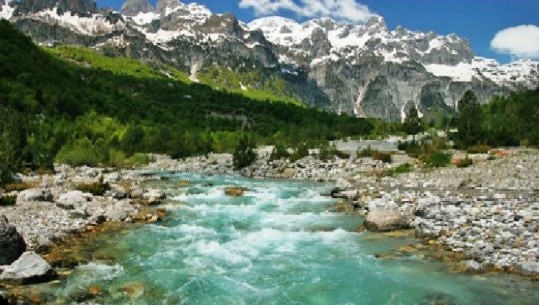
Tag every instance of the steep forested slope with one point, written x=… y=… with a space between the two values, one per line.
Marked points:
x=76 y=110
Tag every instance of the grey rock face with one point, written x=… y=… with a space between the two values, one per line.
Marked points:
x=12 y=244
x=28 y=269
x=133 y=7
x=76 y=7
x=163 y=5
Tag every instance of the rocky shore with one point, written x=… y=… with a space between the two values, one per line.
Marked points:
x=486 y=214
x=52 y=208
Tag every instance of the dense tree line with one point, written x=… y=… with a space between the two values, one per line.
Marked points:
x=52 y=110
x=506 y=121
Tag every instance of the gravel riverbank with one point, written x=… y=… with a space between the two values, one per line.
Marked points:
x=488 y=213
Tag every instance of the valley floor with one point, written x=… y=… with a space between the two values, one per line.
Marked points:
x=485 y=215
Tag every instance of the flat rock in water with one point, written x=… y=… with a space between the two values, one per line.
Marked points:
x=30 y=268
x=234 y=191
x=12 y=244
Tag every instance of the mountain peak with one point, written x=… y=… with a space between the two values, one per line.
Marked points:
x=134 y=7
x=165 y=7
x=78 y=7
x=376 y=23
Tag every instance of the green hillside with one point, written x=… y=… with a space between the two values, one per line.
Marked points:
x=218 y=78
x=74 y=105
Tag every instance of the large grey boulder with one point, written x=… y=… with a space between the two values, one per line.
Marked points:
x=30 y=268
x=74 y=196
x=119 y=210
x=72 y=200
x=34 y=195
x=12 y=244
x=528 y=267
x=384 y=216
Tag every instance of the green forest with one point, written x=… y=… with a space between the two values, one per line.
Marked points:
x=79 y=107
x=54 y=109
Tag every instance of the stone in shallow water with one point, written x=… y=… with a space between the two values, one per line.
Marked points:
x=234 y=191
x=439 y=299
x=30 y=268
x=473 y=266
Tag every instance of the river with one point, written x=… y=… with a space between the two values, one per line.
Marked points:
x=281 y=243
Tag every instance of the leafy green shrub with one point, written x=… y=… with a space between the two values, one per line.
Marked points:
x=96 y=189
x=8 y=201
x=438 y=159
x=138 y=159
x=365 y=153
x=301 y=152
x=279 y=152
x=328 y=152
x=44 y=171
x=464 y=162
x=402 y=169
x=382 y=156
x=79 y=153
x=375 y=154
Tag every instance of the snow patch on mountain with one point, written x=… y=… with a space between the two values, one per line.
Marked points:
x=463 y=72
x=6 y=11
x=523 y=71
x=349 y=40
x=95 y=25
x=144 y=18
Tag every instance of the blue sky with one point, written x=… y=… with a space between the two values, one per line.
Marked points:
x=477 y=20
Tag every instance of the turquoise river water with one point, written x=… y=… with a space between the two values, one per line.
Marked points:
x=279 y=244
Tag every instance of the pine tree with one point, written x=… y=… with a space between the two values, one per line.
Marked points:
x=244 y=155
x=470 y=120
x=412 y=123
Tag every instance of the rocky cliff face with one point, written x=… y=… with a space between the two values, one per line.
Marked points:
x=366 y=70
x=82 y=8
x=134 y=7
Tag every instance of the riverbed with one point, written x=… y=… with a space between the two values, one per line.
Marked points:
x=282 y=242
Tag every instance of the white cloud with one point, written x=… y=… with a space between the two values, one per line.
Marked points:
x=520 y=41
x=348 y=10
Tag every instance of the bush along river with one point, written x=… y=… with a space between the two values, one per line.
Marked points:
x=280 y=242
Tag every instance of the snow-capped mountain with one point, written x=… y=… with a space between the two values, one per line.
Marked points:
x=6 y=10
x=365 y=69
x=445 y=56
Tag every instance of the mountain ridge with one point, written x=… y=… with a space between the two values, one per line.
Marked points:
x=365 y=70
